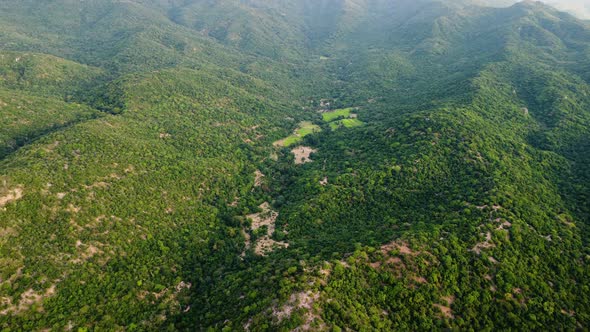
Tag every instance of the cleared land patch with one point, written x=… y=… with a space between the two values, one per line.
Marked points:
x=302 y=154
x=266 y=218
x=258 y=177
x=487 y=244
x=305 y=128
x=342 y=118
x=346 y=123
x=302 y=300
x=11 y=196
x=336 y=114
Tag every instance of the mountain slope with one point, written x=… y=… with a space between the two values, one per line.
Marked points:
x=147 y=185
x=179 y=131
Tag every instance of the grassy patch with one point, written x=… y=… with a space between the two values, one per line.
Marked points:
x=333 y=115
x=291 y=140
x=348 y=123
x=342 y=118
x=305 y=128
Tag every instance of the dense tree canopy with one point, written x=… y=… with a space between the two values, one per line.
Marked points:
x=278 y=165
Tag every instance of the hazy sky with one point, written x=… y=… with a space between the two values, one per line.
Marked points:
x=580 y=8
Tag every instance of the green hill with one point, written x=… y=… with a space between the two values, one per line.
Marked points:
x=143 y=186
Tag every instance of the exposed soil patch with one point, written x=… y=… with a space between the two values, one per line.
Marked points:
x=73 y=209
x=446 y=311
x=267 y=217
x=326 y=271
x=258 y=177
x=484 y=245
x=402 y=247
x=302 y=300
x=51 y=147
x=420 y=280
x=27 y=299
x=398 y=258
x=570 y=313
x=302 y=154
x=85 y=254
x=265 y=245
x=235 y=202
x=503 y=224
x=11 y=196
x=450 y=299
x=100 y=184
x=6 y=232
x=394 y=260
x=279 y=143
x=375 y=265
x=284 y=312
x=247 y=242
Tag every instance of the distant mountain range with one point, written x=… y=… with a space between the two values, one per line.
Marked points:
x=579 y=8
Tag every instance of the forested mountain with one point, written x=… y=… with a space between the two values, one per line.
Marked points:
x=580 y=9
x=293 y=165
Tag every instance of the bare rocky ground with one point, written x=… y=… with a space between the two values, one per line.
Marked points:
x=302 y=154
x=267 y=217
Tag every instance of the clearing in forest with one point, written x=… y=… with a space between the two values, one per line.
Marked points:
x=302 y=154
x=344 y=117
x=487 y=244
x=258 y=177
x=347 y=123
x=336 y=114
x=265 y=243
x=11 y=196
x=305 y=128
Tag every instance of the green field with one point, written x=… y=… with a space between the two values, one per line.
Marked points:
x=305 y=128
x=348 y=123
x=333 y=115
x=345 y=116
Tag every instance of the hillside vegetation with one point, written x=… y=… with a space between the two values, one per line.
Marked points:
x=293 y=165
